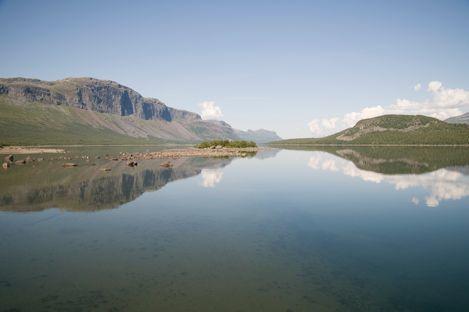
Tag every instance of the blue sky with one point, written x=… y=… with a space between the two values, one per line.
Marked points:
x=272 y=64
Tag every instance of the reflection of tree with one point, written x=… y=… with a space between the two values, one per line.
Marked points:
x=442 y=184
x=87 y=188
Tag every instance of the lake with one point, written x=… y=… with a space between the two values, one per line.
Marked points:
x=323 y=229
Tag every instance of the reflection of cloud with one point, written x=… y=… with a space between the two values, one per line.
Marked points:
x=432 y=201
x=442 y=184
x=210 y=177
x=314 y=161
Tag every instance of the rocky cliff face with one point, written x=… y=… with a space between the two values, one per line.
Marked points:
x=103 y=96
x=88 y=100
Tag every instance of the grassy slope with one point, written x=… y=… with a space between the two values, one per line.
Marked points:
x=436 y=133
x=35 y=124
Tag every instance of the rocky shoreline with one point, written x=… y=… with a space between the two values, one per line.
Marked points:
x=132 y=159
x=190 y=152
x=29 y=150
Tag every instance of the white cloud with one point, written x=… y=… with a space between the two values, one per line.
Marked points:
x=210 y=111
x=417 y=87
x=434 y=86
x=211 y=177
x=316 y=126
x=329 y=123
x=351 y=119
x=441 y=103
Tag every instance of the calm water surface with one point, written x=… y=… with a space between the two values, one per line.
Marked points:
x=318 y=230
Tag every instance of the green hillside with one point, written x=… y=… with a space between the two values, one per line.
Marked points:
x=35 y=124
x=393 y=130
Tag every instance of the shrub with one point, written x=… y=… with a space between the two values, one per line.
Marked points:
x=226 y=143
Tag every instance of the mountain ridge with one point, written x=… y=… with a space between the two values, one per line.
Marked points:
x=461 y=119
x=105 y=106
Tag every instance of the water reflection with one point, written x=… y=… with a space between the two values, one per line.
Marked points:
x=88 y=188
x=450 y=183
x=271 y=236
x=211 y=177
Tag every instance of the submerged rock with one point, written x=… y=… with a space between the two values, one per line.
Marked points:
x=9 y=159
x=166 y=164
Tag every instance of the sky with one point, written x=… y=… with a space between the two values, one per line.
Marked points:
x=301 y=68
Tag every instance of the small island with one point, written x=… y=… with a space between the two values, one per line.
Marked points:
x=218 y=144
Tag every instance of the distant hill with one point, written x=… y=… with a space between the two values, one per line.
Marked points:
x=93 y=111
x=259 y=136
x=393 y=129
x=461 y=119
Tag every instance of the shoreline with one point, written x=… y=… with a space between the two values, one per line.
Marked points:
x=190 y=152
x=22 y=150
x=130 y=157
x=370 y=145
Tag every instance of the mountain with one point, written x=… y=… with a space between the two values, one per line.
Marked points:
x=393 y=129
x=93 y=111
x=461 y=119
x=259 y=136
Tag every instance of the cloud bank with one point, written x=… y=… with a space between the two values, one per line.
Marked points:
x=442 y=103
x=210 y=111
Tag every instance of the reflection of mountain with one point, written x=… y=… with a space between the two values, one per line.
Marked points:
x=395 y=160
x=87 y=188
x=404 y=172
x=267 y=153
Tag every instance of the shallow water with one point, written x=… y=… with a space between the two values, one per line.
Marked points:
x=362 y=229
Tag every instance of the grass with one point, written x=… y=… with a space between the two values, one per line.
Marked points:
x=226 y=143
x=36 y=124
